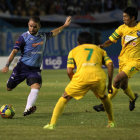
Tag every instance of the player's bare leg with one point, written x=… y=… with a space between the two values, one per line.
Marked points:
x=121 y=81
x=9 y=89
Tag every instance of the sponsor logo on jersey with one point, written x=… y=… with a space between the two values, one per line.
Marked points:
x=36 y=44
x=129 y=38
x=17 y=42
x=89 y=64
x=132 y=69
x=133 y=43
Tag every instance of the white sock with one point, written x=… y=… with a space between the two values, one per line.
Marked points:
x=32 y=98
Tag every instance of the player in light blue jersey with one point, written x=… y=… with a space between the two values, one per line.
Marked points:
x=32 y=45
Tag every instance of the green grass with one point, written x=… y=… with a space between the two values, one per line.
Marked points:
x=78 y=122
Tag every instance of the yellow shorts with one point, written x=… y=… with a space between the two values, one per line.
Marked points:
x=130 y=67
x=78 y=89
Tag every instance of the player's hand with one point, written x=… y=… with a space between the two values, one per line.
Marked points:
x=110 y=89
x=68 y=21
x=5 y=69
x=101 y=46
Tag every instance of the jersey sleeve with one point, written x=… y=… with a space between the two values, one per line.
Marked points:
x=116 y=35
x=49 y=34
x=106 y=59
x=20 y=43
x=70 y=61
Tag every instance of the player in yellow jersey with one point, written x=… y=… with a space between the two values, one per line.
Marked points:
x=129 y=58
x=88 y=59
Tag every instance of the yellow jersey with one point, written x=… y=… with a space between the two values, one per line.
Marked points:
x=130 y=41
x=88 y=58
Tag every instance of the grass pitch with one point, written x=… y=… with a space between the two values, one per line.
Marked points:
x=78 y=122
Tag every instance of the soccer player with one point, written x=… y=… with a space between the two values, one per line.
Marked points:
x=32 y=45
x=88 y=59
x=129 y=59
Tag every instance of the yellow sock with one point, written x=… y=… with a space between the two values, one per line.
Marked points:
x=130 y=93
x=108 y=107
x=59 y=107
x=115 y=90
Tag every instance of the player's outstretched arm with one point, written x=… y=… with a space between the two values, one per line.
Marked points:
x=106 y=44
x=10 y=59
x=59 y=29
x=110 y=69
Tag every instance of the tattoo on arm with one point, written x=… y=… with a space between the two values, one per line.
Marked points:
x=7 y=64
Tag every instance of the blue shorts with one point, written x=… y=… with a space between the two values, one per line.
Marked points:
x=22 y=72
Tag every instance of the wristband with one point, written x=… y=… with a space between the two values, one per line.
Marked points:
x=7 y=65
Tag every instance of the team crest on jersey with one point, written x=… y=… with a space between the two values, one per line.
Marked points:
x=31 y=38
x=138 y=33
x=129 y=38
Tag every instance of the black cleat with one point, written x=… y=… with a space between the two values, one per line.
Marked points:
x=132 y=103
x=29 y=111
x=99 y=108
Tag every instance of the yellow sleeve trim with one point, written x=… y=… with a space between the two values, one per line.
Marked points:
x=108 y=61
x=112 y=39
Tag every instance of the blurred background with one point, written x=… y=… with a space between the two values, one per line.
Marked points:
x=100 y=17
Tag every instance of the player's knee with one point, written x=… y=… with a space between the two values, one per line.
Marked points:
x=10 y=86
x=66 y=96
x=34 y=82
x=124 y=86
x=102 y=98
x=36 y=86
x=116 y=83
x=9 y=89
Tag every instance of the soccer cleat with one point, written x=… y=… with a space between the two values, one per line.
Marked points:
x=99 y=108
x=49 y=126
x=132 y=103
x=29 y=111
x=110 y=125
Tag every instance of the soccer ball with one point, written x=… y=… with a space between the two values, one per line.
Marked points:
x=7 y=111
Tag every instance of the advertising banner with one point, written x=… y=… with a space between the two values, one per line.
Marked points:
x=104 y=17
x=57 y=48
x=55 y=62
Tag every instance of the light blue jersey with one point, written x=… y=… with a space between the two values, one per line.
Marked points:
x=32 y=47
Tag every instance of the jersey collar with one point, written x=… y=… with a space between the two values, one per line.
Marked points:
x=33 y=35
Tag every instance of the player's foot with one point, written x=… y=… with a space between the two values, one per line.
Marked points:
x=132 y=103
x=99 y=108
x=29 y=111
x=49 y=126
x=110 y=125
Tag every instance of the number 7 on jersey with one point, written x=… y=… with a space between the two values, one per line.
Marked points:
x=90 y=53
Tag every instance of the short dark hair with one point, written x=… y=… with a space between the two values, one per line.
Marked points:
x=85 y=37
x=131 y=11
x=35 y=19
